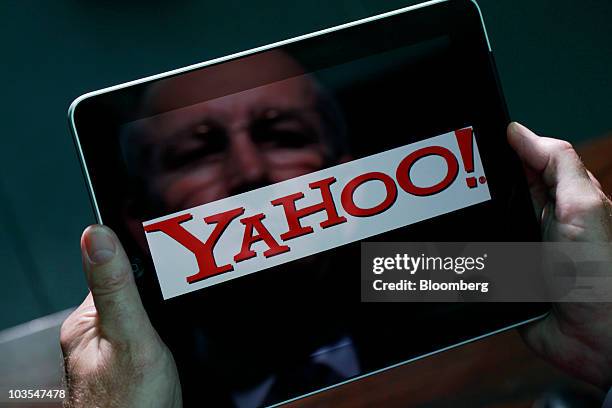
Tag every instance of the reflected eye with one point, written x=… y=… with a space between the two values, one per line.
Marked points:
x=206 y=142
x=202 y=129
x=271 y=114
x=283 y=138
x=276 y=129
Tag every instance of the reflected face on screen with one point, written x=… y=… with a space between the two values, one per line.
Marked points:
x=224 y=146
x=235 y=143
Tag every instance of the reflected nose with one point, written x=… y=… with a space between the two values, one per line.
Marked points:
x=247 y=165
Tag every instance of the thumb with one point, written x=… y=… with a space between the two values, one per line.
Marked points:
x=579 y=205
x=111 y=282
x=555 y=160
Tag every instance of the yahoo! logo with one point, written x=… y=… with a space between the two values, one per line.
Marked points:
x=316 y=212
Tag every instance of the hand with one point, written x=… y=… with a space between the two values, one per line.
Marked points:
x=113 y=356
x=577 y=337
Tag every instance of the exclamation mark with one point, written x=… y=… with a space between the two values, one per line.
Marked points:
x=465 y=140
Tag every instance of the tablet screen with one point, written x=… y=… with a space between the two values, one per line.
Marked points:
x=243 y=190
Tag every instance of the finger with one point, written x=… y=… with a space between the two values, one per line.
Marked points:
x=111 y=282
x=579 y=203
x=554 y=159
x=537 y=189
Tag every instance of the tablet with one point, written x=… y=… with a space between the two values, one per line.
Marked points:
x=243 y=187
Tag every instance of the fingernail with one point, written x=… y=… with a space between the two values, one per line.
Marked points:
x=515 y=127
x=100 y=245
x=520 y=129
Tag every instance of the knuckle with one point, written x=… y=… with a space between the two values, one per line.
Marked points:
x=565 y=146
x=559 y=146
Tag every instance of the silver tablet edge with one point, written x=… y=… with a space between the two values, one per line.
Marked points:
x=78 y=100
x=412 y=360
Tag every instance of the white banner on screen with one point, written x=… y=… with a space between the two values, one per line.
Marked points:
x=370 y=196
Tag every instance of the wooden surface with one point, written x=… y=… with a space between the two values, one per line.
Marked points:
x=499 y=371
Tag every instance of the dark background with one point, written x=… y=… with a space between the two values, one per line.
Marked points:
x=553 y=58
